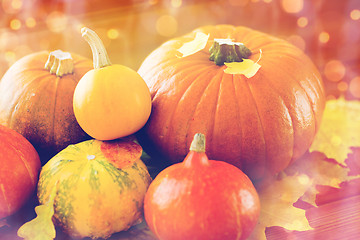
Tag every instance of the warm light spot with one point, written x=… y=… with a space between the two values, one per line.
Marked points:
x=176 y=3
x=30 y=22
x=355 y=14
x=334 y=70
x=166 y=25
x=297 y=41
x=267 y=1
x=354 y=87
x=330 y=97
x=153 y=2
x=302 y=22
x=16 y=4
x=11 y=6
x=240 y=3
x=15 y=24
x=90 y=157
x=324 y=37
x=113 y=33
x=292 y=6
x=10 y=57
x=303 y=179
x=342 y=86
x=56 y=21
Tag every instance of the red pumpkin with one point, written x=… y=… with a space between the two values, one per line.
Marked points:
x=201 y=199
x=19 y=170
x=36 y=101
x=260 y=124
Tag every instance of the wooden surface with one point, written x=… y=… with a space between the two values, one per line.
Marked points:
x=327 y=30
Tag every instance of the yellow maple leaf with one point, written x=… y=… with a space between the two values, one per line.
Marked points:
x=277 y=209
x=41 y=227
x=247 y=67
x=318 y=170
x=339 y=129
x=195 y=45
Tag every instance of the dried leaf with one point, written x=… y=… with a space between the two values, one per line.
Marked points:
x=247 y=67
x=339 y=129
x=316 y=168
x=277 y=208
x=41 y=227
x=195 y=45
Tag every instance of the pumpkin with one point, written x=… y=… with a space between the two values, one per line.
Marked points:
x=260 y=124
x=36 y=99
x=19 y=170
x=110 y=101
x=100 y=187
x=201 y=199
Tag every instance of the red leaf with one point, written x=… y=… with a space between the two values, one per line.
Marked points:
x=329 y=194
x=353 y=161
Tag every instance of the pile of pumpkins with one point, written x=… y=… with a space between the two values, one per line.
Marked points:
x=89 y=120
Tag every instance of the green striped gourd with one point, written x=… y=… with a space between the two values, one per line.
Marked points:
x=100 y=187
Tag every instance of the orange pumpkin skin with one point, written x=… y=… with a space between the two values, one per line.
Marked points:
x=201 y=199
x=19 y=170
x=38 y=104
x=260 y=124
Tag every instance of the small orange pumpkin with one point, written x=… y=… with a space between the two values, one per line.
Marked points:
x=260 y=124
x=37 y=102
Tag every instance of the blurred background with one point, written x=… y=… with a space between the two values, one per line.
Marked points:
x=327 y=30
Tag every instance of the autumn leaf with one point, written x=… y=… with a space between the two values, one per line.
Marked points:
x=277 y=209
x=316 y=168
x=195 y=45
x=41 y=227
x=339 y=129
x=247 y=67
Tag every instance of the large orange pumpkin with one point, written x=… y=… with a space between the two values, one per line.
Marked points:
x=37 y=102
x=260 y=124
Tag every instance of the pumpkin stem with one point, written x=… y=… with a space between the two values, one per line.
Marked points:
x=198 y=143
x=60 y=63
x=225 y=50
x=100 y=56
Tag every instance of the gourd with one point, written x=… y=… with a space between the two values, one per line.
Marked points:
x=260 y=124
x=36 y=99
x=201 y=199
x=19 y=170
x=99 y=187
x=110 y=101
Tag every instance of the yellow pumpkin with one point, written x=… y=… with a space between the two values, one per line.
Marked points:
x=99 y=187
x=110 y=101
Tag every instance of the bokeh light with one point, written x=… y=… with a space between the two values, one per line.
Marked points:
x=176 y=3
x=355 y=14
x=354 y=86
x=302 y=22
x=292 y=6
x=298 y=41
x=342 y=86
x=166 y=25
x=112 y=33
x=324 y=37
x=11 y=6
x=56 y=21
x=334 y=70
x=15 y=24
x=30 y=22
